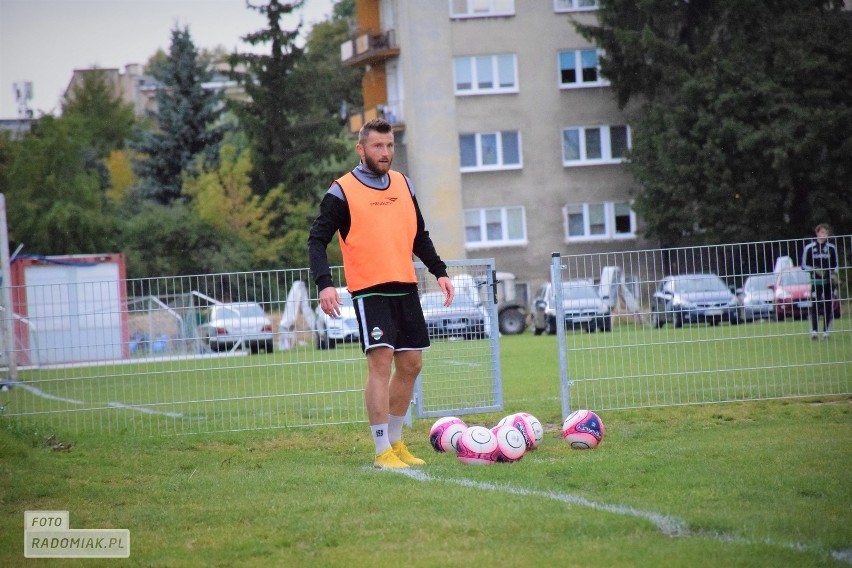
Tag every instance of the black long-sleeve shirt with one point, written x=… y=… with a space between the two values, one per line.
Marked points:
x=820 y=260
x=334 y=217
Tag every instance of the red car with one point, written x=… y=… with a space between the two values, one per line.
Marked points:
x=792 y=290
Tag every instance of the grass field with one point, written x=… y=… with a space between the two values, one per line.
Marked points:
x=737 y=484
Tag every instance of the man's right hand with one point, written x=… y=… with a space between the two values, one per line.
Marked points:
x=330 y=301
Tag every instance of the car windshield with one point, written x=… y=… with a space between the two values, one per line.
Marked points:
x=759 y=283
x=250 y=311
x=795 y=278
x=700 y=284
x=579 y=291
x=241 y=311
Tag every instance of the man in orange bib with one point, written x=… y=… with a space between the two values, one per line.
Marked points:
x=374 y=211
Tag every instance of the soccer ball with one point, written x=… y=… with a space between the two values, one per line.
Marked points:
x=478 y=445
x=583 y=429
x=511 y=445
x=522 y=422
x=537 y=428
x=445 y=433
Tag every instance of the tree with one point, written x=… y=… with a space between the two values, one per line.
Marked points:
x=170 y=240
x=105 y=116
x=54 y=186
x=223 y=199
x=744 y=110
x=291 y=118
x=186 y=117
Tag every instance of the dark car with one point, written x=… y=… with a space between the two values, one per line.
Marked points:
x=694 y=298
x=581 y=303
x=465 y=318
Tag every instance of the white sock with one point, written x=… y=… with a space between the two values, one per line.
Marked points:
x=395 y=428
x=380 y=437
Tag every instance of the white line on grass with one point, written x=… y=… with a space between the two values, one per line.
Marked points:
x=143 y=409
x=669 y=526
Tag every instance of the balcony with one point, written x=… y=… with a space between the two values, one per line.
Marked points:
x=391 y=112
x=369 y=49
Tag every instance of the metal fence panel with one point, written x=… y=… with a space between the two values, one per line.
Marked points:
x=671 y=347
x=183 y=362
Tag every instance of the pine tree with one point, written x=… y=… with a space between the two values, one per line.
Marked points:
x=186 y=118
x=290 y=121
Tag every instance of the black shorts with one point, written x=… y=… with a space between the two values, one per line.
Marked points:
x=391 y=321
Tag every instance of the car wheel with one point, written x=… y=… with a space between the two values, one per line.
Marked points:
x=538 y=330
x=734 y=319
x=268 y=347
x=511 y=322
x=605 y=323
x=678 y=320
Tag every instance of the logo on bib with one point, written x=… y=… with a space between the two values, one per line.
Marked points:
x=376 y=333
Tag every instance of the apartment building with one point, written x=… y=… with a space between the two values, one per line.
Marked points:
x=511 y=136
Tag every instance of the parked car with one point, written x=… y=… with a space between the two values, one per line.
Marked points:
x=464 y=318
x=583 y=307
x=757 y=298
x=694 y=298
x=237 y=324
x=331 y=330
x=792 y=295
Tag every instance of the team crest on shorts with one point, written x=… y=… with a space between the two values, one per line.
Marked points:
x=376 y=333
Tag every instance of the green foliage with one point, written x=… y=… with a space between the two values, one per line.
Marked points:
x=186 y=118
x=295 y=97
x=160 y=240
x=54 y=187
x=106 y=118
x=744 y=114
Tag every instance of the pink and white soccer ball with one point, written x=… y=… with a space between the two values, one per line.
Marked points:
x=478 y=446
x=537 y=428
x=511 y=445
x=583 y=429
x=522 y=422
x=445 y=433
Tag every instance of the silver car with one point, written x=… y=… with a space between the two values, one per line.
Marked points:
x=331 y=330
x=237 y=324
x=757 y=297
x=464 y=318
x=581 y=303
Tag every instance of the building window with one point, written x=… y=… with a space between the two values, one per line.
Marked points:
x=599 y=221
x=498 y=226
x=481 y=8
x=580 y=68
x=487 y=151
x=591 y=145
x=486 y=74
x=575 y=5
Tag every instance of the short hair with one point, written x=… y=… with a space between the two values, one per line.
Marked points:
x=822 y=226
x=379 y=125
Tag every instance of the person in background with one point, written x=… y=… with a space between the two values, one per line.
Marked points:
x=820 y=258
x=375 y=213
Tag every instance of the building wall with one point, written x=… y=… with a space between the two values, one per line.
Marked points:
x=434 y=117
x=431 y=126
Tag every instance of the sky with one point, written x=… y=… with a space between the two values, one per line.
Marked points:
x=44 y=41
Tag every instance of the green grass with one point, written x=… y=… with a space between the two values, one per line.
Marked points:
x=762 y=483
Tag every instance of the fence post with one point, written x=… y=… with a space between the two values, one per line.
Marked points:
x=556 y=284
x=6 y=287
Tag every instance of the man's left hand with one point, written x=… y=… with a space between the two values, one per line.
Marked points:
x=448 y=289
